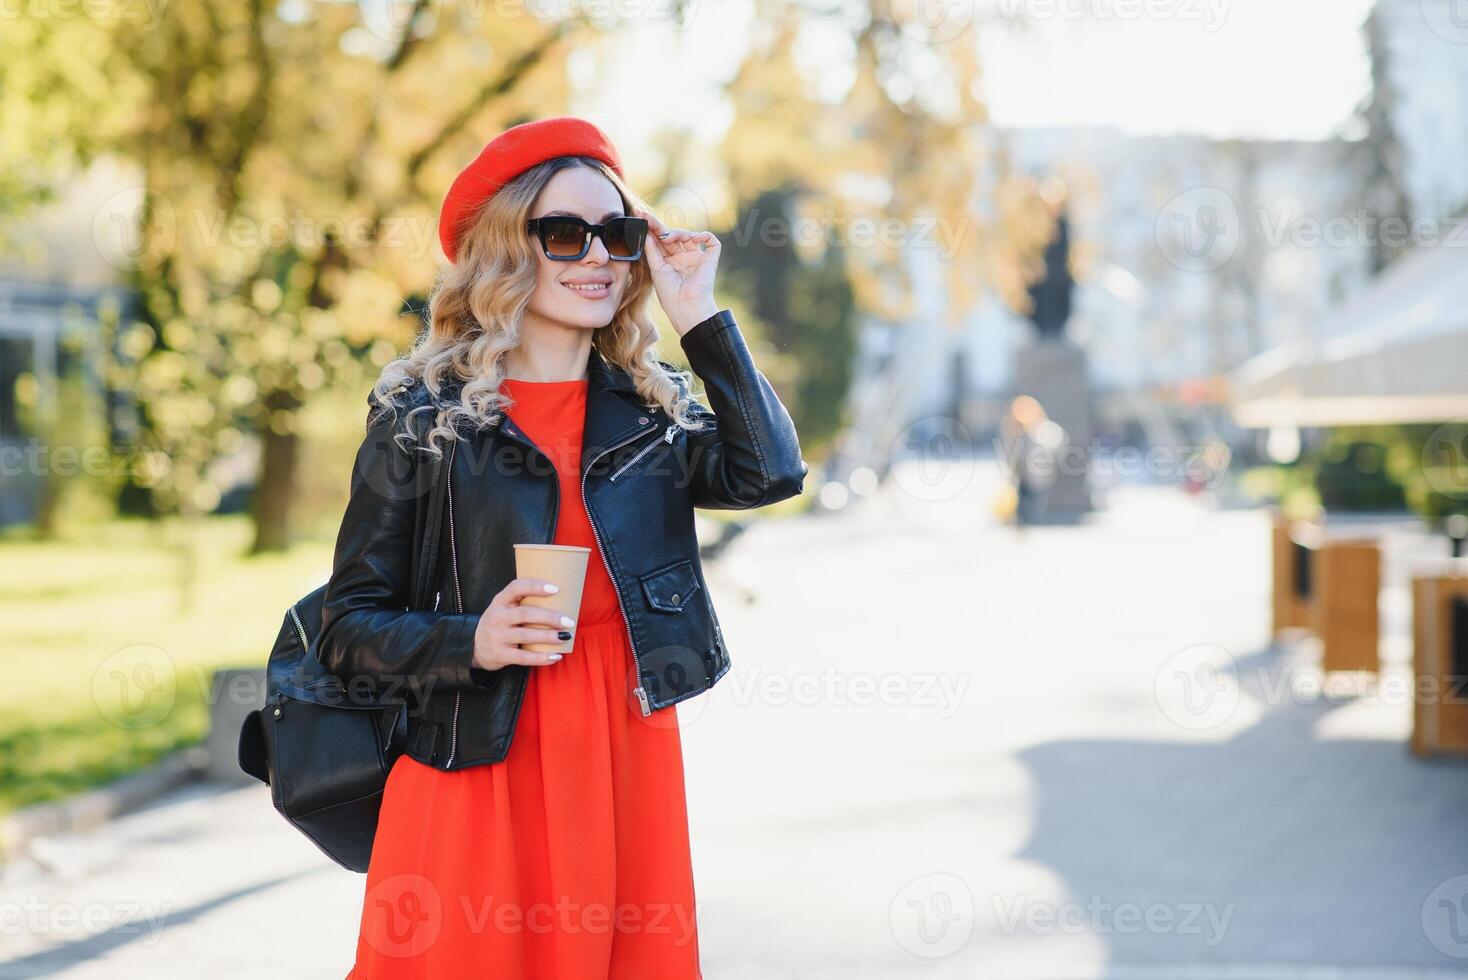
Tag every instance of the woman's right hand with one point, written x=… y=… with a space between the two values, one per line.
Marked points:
x=507 y=623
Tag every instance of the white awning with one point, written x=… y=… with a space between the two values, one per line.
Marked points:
x=1398 y=352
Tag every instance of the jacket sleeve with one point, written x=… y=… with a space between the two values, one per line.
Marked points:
x=368 y=635
x=748 y=454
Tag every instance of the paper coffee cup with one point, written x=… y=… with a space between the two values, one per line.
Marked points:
x=563 y=564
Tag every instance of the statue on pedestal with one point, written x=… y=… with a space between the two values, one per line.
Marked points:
x=1050 y=369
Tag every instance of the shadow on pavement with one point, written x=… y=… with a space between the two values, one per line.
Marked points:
x=1273 y=847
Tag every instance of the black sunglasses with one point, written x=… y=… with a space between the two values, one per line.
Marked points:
x=566 y=238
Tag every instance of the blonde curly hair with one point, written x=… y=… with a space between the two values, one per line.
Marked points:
x=476 y=309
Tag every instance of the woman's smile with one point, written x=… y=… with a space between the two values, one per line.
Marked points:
x=590 y=288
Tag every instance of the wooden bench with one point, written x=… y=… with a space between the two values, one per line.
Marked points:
x=1329 y=585
x=1440 y=662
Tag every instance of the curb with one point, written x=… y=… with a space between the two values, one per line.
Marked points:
x=92 y=808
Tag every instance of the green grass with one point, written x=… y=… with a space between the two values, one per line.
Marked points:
x=108 y=665
x=108 y=660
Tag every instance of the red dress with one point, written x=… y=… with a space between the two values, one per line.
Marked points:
x=568 y=860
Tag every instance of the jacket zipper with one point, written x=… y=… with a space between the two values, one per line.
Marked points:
x=458 y=593
x=617 y=589
x=641 y=453
x=631 y=643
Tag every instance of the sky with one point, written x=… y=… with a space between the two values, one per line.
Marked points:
x=1250 y=68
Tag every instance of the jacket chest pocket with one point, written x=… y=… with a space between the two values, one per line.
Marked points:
x=669 y=588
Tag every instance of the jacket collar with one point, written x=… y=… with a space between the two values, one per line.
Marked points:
x=613 y=412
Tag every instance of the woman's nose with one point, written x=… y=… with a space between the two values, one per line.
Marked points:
x=597 y=254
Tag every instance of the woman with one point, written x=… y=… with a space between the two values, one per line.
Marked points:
x=535 y=826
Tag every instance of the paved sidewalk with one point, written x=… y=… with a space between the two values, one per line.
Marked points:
x=945 y=750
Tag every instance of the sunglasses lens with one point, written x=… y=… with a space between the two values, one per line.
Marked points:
x=563 y=236
x=624 y=236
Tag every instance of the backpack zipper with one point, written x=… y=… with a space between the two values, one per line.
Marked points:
x=300 y=629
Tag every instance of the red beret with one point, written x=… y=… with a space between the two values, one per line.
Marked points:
x=513 y=152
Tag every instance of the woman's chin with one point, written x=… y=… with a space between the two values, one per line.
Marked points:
x=588 y=313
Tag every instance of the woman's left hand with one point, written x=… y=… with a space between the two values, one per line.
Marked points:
x=682 y=264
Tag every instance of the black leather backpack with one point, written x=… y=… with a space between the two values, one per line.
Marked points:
x=326 y=750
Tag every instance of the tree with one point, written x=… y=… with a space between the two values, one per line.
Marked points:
x=292 y=158
x=893 y=165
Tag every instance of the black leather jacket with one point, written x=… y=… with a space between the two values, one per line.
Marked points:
x=642 y=476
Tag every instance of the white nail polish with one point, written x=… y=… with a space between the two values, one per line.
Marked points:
x=550 y=587
x=555 y=656
x=567 y=621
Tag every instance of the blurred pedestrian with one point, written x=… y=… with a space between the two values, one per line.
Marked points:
x=1032 y=444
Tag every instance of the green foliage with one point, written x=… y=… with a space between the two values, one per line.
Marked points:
x=1353 y=475
x=1377 y=468
x=76 y=610
x=803 y=306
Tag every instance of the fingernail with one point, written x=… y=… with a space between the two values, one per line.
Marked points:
x=550 y=587
x=555 y=656
x=567 y=621
x=563 y=635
